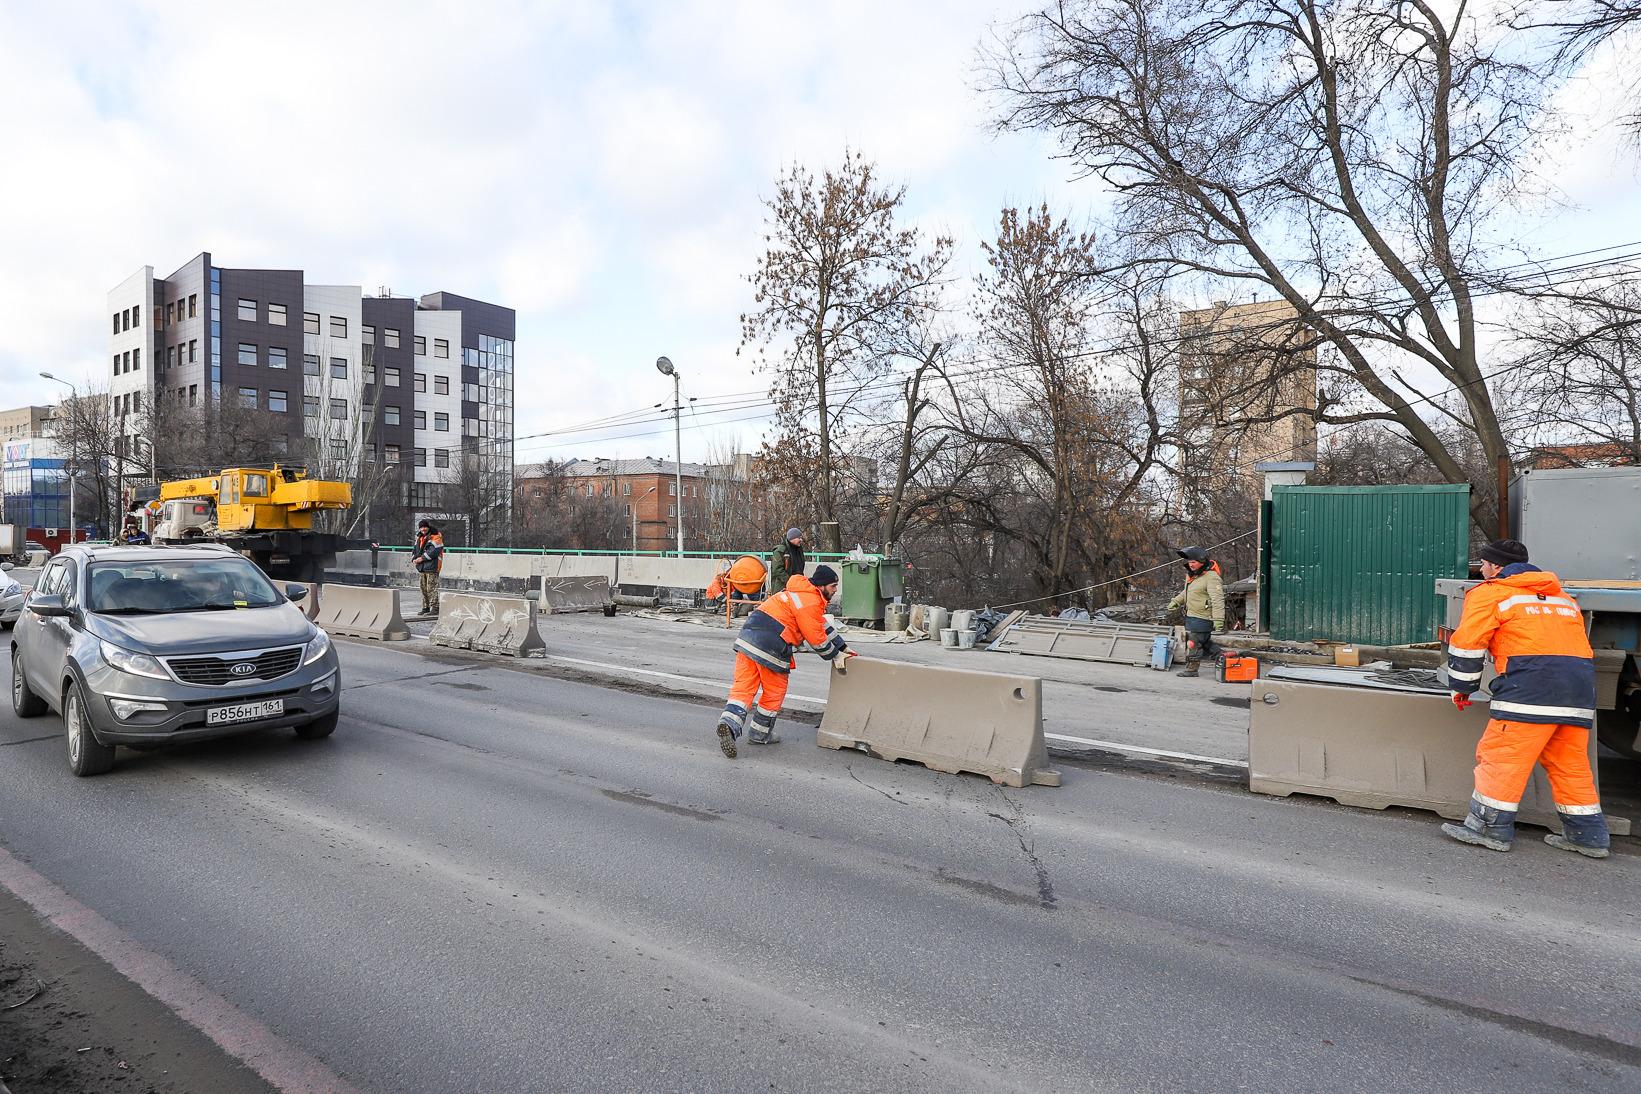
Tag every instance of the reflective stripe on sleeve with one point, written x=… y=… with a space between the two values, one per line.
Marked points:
x=1578 y=810
x=1466 y=676
x=1494 y=803
x=1542 y=712
x=1454 y=651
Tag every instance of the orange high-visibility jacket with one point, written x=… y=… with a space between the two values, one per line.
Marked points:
x=791 y=618
x=1536 y=636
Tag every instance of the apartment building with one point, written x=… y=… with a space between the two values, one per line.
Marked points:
x=349 y=384
x=643 y=492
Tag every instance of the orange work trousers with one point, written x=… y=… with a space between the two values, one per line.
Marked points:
x=1508 y=751
x=758 y=688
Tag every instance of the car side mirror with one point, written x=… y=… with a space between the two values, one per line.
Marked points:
x=4 y=566
x=49 y=606
x=294 y=593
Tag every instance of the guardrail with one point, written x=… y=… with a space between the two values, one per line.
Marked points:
x=824 y=555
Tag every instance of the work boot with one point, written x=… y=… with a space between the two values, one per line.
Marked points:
x=1585 y=833
x=1484 y=826
x=1190 y=669
x=763 y=737
x=726 y=739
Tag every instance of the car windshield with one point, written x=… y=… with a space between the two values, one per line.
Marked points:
x=181 y=585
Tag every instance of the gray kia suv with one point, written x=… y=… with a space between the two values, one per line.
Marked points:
x=149 y=646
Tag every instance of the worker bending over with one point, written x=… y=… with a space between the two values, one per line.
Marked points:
x=764 y=652
x=1543 y=702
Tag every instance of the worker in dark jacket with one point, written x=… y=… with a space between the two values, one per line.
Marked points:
x=1543 y=702
x=790 y=619
x=788 y=560
x=1204 y=602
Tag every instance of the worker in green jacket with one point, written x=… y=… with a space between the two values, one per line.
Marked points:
x=1203 y=599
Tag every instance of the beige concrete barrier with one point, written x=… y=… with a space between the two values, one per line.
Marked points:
x=1377 y=748
x=1083 y=640
x=947 y=719
x=358 y=611
x=575 y=594
x=494 y=624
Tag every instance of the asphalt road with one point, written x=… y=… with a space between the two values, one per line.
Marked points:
x=489 y=880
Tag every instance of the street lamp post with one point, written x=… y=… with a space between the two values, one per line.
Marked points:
x=664 y=365
x=633 y=509
x=74 y=453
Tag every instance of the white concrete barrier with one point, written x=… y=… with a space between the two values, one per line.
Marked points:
x=357 y=611
x=495 y=624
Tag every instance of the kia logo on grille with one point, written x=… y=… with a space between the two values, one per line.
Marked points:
x=244 y=668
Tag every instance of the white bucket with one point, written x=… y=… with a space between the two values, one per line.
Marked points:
x=965 y=640
x=948 y=637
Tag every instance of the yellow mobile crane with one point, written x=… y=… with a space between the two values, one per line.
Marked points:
x=264 y=513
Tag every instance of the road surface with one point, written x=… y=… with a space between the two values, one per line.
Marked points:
x=489 y=880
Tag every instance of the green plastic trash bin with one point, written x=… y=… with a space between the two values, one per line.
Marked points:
x=868 y=586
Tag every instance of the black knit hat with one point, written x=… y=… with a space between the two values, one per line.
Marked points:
x=1504 y=552
x=823 y=575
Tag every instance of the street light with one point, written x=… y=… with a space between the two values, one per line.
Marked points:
x=74 y=456
x=633 y=510
x=664 y=366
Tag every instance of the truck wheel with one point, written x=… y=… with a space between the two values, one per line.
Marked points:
x=23 y=700
x=85 y=755
x=320 y=727
x=1617 y=730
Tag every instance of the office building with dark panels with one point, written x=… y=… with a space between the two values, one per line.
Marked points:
x=412 y=396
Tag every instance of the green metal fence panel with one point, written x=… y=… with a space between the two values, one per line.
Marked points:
x=1360 y=563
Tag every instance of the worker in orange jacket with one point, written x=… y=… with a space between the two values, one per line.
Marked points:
x=1543 y=702
x=793 y=617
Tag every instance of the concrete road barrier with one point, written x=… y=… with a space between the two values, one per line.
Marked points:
x=1377 y=748
x=1083 y=640
x=494 y=624
x=951 y=720
x=575 y=594
x=360 y=611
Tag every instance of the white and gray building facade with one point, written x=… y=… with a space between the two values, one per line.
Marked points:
x=423 y=383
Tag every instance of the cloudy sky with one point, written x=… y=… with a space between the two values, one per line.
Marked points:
x=598 y=167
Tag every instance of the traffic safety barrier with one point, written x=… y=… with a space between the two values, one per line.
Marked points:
x=1377 y=748
x=1083 y=640
x=358 y=611
x=575 y=594
x=494 y=624
x=950 y=720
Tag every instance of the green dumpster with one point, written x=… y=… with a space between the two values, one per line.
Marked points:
x=868 y=585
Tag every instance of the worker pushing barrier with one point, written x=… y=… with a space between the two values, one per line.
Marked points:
x=772 y=634
x=1543 y=702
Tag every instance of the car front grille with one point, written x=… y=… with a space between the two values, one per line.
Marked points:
x=220 y=671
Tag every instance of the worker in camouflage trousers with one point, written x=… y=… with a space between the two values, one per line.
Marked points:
x=1543 y=702
x=1204 y=602
x=772 y=634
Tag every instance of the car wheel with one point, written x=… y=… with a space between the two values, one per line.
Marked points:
x=319 y=727
x=85 y=755
x=23 y=700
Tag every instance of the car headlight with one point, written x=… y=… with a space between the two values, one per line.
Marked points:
x=317 y=645
x=137 y=664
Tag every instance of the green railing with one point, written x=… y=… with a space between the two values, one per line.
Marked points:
x=608 y=554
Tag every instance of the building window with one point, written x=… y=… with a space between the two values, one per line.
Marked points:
x=367 y=334
x=247 y=310
x=338 y=450
x=136 y=360
x=116 y=322
x=193 y=350
x=626 y=488
x=390 y=337
x=391 y=453
x=310 y=322
x=339 y=368
x=310 y=364
x=136 y=401
x=125 y=319
x=421 y=346
x=589 y=490
x=672 y=510
x=441 y=457
x=390 y=415
x=441 y=385
x=193 y=394
x=339 y=408
x=276 y=357
x=441 y=422
x=247 y=398
x=441 y=347
x=136 y=315
x=672 y=489
x=170 y=356
x=170 y=313
x=116 y=364
x=193 y=305
x=247 y=353
x=419 y=381
x=418 y=418
x=370 y=373
x=390 y=375
x=276 y=314
x=421 y=457
x=310 y=406
x=338 y=326
x=278 y=400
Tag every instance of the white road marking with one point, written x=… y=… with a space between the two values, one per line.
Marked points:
x=1116 y=747
x=623 y=669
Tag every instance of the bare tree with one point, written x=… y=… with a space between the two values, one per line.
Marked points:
x=1581 y=380
x=1351 y=158
x=87 y=432
x=839 y=282
x=1581 y=27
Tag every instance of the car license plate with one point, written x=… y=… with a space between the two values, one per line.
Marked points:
x=244 y=712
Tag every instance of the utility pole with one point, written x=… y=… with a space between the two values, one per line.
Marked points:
x=665 y=367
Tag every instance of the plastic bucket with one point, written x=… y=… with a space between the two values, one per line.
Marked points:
x=965 y=640
x=948 y=637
